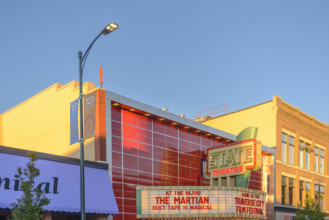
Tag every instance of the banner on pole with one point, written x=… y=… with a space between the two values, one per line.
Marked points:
x=89 y=115
x=74 y=130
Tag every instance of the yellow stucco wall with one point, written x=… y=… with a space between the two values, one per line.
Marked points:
x=42 y=123
x=262 y=116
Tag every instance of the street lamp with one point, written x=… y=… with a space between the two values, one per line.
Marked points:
x=82 y=60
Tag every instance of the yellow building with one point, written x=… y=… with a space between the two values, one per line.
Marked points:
x=42 y=123
x=301 y=143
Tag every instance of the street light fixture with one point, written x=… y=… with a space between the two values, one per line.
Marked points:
x=82 y=60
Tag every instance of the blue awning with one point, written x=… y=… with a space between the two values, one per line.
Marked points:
x=61 y=182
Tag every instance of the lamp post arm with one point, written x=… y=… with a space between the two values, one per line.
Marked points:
x=84 y=58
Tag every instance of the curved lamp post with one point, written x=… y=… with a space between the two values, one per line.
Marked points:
x=82 y=60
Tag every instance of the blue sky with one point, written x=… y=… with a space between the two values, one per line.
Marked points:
x=185 y=55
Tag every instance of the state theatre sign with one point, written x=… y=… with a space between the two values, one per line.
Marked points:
x=200 y=202
x=234 y=159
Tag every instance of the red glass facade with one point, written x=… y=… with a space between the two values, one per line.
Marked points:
x=150 y=152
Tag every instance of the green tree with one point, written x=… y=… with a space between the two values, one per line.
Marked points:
x=29 y=205
x=311 y=210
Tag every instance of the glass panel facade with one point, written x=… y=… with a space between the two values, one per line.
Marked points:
x=149 y=152
x=284 y=147
x=291 y=150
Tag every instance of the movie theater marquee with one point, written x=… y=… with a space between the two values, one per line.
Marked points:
x=199 y=201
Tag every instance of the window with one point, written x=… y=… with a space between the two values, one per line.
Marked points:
x=291 y=188
x=301 y=192
x=302 y=149
x=284 y=148
x=307 y=187
x=319 y=193
x=224 y=181
x=232 y=181
x=321 y=161
x=307 y=160
x=287 y=149
x=291 y=150
x=283 y=190
x=316 y=160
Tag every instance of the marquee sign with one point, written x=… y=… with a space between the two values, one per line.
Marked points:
x=234 y=159
x=199 y=201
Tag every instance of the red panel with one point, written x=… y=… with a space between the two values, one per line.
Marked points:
x=184 y=134
x=129 y=132
x=130 y=194
x=116 y=144
x=159 y=127
x=130 y=147
x=195 y=162
x=118 y=192
x=130 y=216
x=156 y=166
x=171 y=130
x=129 y=118
x=145 y=181
x=216 y=142
x=172 y=156
x=184 y=147
x=158 y=153
x=171 y=142
x=145 y=150
x=130 y=202
x=144 y=122
x=116 y=159
x=194 y=147
x=130 y=180
x=196 y=138
x=118 y=217
x=145 y=176
x=172 y=169
x=129 y=187
x=116 y=177
x=184 y=172
x=159 y=140
x=172 y=181
x=131 y=173
x=130 y=162
x=144 y=136
x=116 y=129
x=116 y=185
x=130 y=209
x=184 y=159
x=206 y=141
x=116 y=114
x=145 y=165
